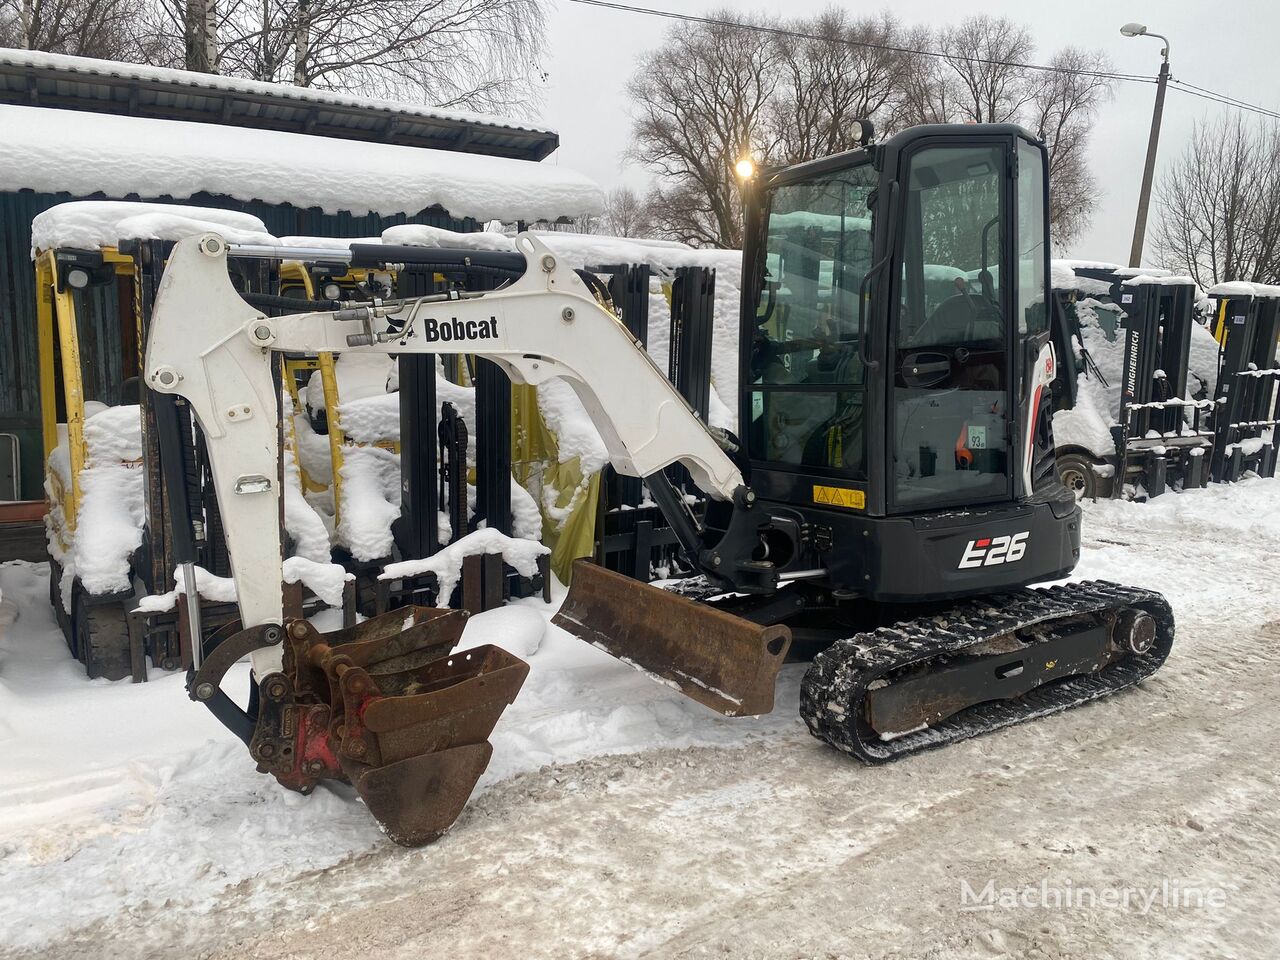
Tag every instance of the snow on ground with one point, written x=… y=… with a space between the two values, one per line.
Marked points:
x=132 y=825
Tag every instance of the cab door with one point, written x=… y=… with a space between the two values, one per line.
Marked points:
x=950 y=379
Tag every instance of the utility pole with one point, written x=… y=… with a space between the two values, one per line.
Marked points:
x=1148 y=172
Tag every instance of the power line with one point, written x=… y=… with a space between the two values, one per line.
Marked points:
x=1183 y=86
x=892 y=48
x=1192 y=90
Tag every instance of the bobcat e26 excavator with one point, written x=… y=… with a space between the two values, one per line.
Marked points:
x=890 y=498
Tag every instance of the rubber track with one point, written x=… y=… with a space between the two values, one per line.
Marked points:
x=831 y=695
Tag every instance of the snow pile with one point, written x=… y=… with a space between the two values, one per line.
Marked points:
x=324 y=243
x=1088 y=424
x=90 y=224
x=325 y=580
x=1115 y=268
x=424 y=235
x=301 y=521
x=119 y=156
x=1097 y=407
x=446 y=564
x=1202 y=360
x=371 y=419
x=210 y=587
x=526 y=518
x=370 y=490
x=108 y=524
x=312 y=450
x=1062 y=276
x=370 y=501
x=567 y=418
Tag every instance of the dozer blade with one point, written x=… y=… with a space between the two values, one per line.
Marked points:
x=386 y=706
x=724 y=662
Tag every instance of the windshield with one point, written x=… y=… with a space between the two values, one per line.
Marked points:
x=817 y=251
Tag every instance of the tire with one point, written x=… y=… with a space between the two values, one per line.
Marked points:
x=102 y=635
x=1076 y=473
x=60 y=615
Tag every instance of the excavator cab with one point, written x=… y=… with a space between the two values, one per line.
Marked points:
x=896 y=355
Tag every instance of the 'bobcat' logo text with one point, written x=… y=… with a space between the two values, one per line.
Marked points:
x=445 y=330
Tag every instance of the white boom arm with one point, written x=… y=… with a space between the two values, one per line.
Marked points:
x=209 y=346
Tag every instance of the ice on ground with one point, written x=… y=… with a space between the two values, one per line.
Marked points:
x=90 y=224
x=99 y=153
x=116 y=799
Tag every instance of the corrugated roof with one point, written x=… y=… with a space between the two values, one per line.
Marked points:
x=105 y=86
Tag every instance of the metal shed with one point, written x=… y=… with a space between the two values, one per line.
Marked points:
x=69 y=96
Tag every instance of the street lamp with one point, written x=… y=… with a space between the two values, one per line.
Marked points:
x=1148 y=173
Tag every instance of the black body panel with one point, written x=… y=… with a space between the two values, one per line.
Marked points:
x=917 y=558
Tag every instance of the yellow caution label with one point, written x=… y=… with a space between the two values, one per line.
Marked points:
x=840 y=497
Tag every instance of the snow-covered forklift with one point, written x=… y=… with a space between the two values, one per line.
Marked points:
x=93 y=482
x=892 y=493
x=1244 y=420
x=1131 y=405
x=107 y=523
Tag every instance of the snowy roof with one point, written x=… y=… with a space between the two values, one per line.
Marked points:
x=89 y=224
x=106 y=86
x=123 y=156
x=1115 y=268
x=1242 y=288
x=1165 y=279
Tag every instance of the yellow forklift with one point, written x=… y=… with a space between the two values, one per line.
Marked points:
x=107 y=503
x=94 y=475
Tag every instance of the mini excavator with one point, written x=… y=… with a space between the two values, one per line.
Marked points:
x=887 y=504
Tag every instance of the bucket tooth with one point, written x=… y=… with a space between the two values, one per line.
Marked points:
x=388 y=707
x=720 y=660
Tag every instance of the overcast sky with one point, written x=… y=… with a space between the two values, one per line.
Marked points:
x=1232 y=46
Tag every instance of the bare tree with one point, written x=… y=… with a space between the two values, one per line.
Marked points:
x=1061 y=111
x=626 y=214
x=699 y=103
x=84 y=28
x=792 y=95
x=928 y=89
x=826 y=84
x=1218 y=206
x=479 y=54
x=984 y=56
